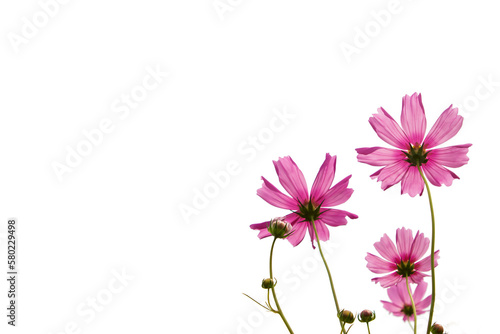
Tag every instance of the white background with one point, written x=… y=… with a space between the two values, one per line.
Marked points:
x=229 y=69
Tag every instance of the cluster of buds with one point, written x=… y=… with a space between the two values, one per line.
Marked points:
x=279 y=228
x=348 y=317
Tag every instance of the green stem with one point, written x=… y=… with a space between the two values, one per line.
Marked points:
x=329 y=275
x=280 y=312
x=368 y=326
x=412 y=305
x=433 y=241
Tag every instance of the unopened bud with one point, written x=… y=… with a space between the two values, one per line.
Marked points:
x=267 y=283
x=346 y=316
x=437 y=329
x=366 y=316
x=279 y=227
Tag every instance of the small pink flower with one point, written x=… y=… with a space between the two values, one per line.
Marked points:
x=306 y=207
x=403 y=261
x=400 y=304
x=413 y=150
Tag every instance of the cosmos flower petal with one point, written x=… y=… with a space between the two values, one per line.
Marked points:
x=419 y=292
x=452 y=156
x=298 y=233
x=335 y=217
x=379 y=156
x=336 y=195
x=387 y=249
x=402 y=292
x=393 y=308
x=395 y=296
x=412 y=183
x=425 y=263
x=291 y=178
x=438 y=175
x=324 y=178
x=404 y=240
x=262 y=227
x=388 y=280
x=423 y=304
x=419 y=246
x=392 y=174
x=445 y=128
x=378 y=265
x=389 y=130
x=413 y=118
x=323 y=232
x=273 y=196
x=417 y=277
x=376 y=174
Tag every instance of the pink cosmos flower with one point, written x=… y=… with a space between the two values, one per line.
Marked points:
x=306 y=207
x=413 y=150
x=403 y=261
x=400 y=304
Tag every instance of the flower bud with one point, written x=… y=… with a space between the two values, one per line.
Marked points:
x=437 y=329
x=279 y=227
x=268 y=283
x=346 y=316
x=366 y=316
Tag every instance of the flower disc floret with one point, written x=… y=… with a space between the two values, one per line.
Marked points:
x=405 y=268
x=309 y=211
x=416 y=155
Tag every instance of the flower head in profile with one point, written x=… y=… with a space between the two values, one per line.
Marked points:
x=306 y=207
x=405 y=260
x=400 y=304
x=413 y=150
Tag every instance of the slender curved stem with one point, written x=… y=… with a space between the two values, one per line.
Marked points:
x=368 y=326
x=433 y=241
x=280 y=312
x=412 y=306
x=329 y=275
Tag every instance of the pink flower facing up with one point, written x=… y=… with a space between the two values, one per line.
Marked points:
x=413 y=150
x=306 y=207
x=403 y=261
x=400 y=304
